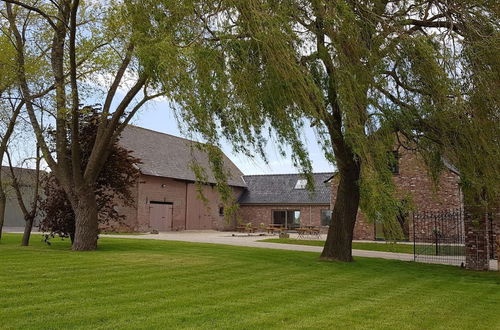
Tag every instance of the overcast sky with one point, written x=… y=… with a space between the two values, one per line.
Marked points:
x=159 y=117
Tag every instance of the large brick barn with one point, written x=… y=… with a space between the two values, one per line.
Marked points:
x=165 y=196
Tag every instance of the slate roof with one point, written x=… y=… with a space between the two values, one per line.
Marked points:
x=170 y=156
x=25 y=176
x=280 y=189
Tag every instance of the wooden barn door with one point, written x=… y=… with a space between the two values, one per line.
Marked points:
x=160 y=216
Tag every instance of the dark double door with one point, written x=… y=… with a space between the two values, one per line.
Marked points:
x=287 y=218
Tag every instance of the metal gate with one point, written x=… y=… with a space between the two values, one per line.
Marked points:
x=439 y=237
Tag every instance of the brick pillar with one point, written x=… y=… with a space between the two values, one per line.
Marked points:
x=498 y=244
x=496 y=234
x=477 y=249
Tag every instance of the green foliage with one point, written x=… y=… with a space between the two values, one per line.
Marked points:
x=368 y=76
x=464 y=129
x=7 y=63
x=249 y=71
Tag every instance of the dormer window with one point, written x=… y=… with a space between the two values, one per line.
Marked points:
x=301 y=184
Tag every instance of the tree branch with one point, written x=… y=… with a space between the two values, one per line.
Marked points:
x=26 y=93
x=75 y=102
x=34 y=9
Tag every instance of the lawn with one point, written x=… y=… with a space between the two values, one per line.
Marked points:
x=384 y=247
x=428 y=249
x=131 y=283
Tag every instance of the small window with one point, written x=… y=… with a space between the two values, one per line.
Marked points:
x=326 y=217
x=221 y=211
x=301 y=184
x=394 y=162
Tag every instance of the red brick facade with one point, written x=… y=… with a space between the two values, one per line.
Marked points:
x=310 y=215
x=414 y=182
x=191 y=213
x=411 y=182
x=188 y=211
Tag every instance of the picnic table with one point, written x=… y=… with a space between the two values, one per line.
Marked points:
x=272 y=228
x=311 y=231
x=246 y=229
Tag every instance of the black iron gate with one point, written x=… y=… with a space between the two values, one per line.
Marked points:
x=439 y=237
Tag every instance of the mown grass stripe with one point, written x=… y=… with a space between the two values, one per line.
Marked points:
x=153 y=284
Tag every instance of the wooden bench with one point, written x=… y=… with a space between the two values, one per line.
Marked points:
x=272 y=228
x=246 y=229
x=309 y=230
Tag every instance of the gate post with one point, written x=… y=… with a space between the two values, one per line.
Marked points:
x=477 y=249
x=496 y=234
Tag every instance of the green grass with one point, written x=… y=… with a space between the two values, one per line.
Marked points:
x=130 y=283
x=384 y=247
x=444 y=250
x=129 y=234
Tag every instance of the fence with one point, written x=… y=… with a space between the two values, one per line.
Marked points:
x=439 y=237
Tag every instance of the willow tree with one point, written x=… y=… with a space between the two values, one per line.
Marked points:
x=87 y=53
x=466 y=129
x=254 y=69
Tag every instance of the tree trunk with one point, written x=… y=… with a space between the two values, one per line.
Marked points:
x=3 y=201
x=28 y=226
x=338 y=244
x=86 y=226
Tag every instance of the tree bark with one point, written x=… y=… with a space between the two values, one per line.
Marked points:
x=3 y=201
x=28 y=226
x=86 y=225
x=338 y=245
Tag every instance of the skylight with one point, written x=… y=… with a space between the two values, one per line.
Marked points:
x=301 y=184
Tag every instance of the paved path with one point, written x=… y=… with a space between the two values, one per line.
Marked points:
x=238 y=239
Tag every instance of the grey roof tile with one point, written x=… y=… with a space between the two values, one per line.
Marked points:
x=280 y=189
x=170 y=156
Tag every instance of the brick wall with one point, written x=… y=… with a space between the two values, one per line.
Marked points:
x=130 y=212
x=477 y=243
x=495 y=239
x=413 y=179
x=188 y=211
x=414 y=182
x=310 y=215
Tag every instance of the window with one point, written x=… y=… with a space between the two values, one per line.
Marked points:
x=394 y=161
x=301 y=184
x=221 y=211
x=326 y=217
x=288 y=219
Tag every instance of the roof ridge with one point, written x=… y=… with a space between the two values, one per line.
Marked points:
x=283 y=174
x=7 y=167
x=162 y=133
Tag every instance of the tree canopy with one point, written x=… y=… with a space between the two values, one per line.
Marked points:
x=367 y=75
x=112 y=187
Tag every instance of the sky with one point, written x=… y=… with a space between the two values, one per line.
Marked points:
x=158 y=116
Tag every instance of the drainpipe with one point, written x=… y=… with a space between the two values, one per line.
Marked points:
x=310 y=215
x=186 y=207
